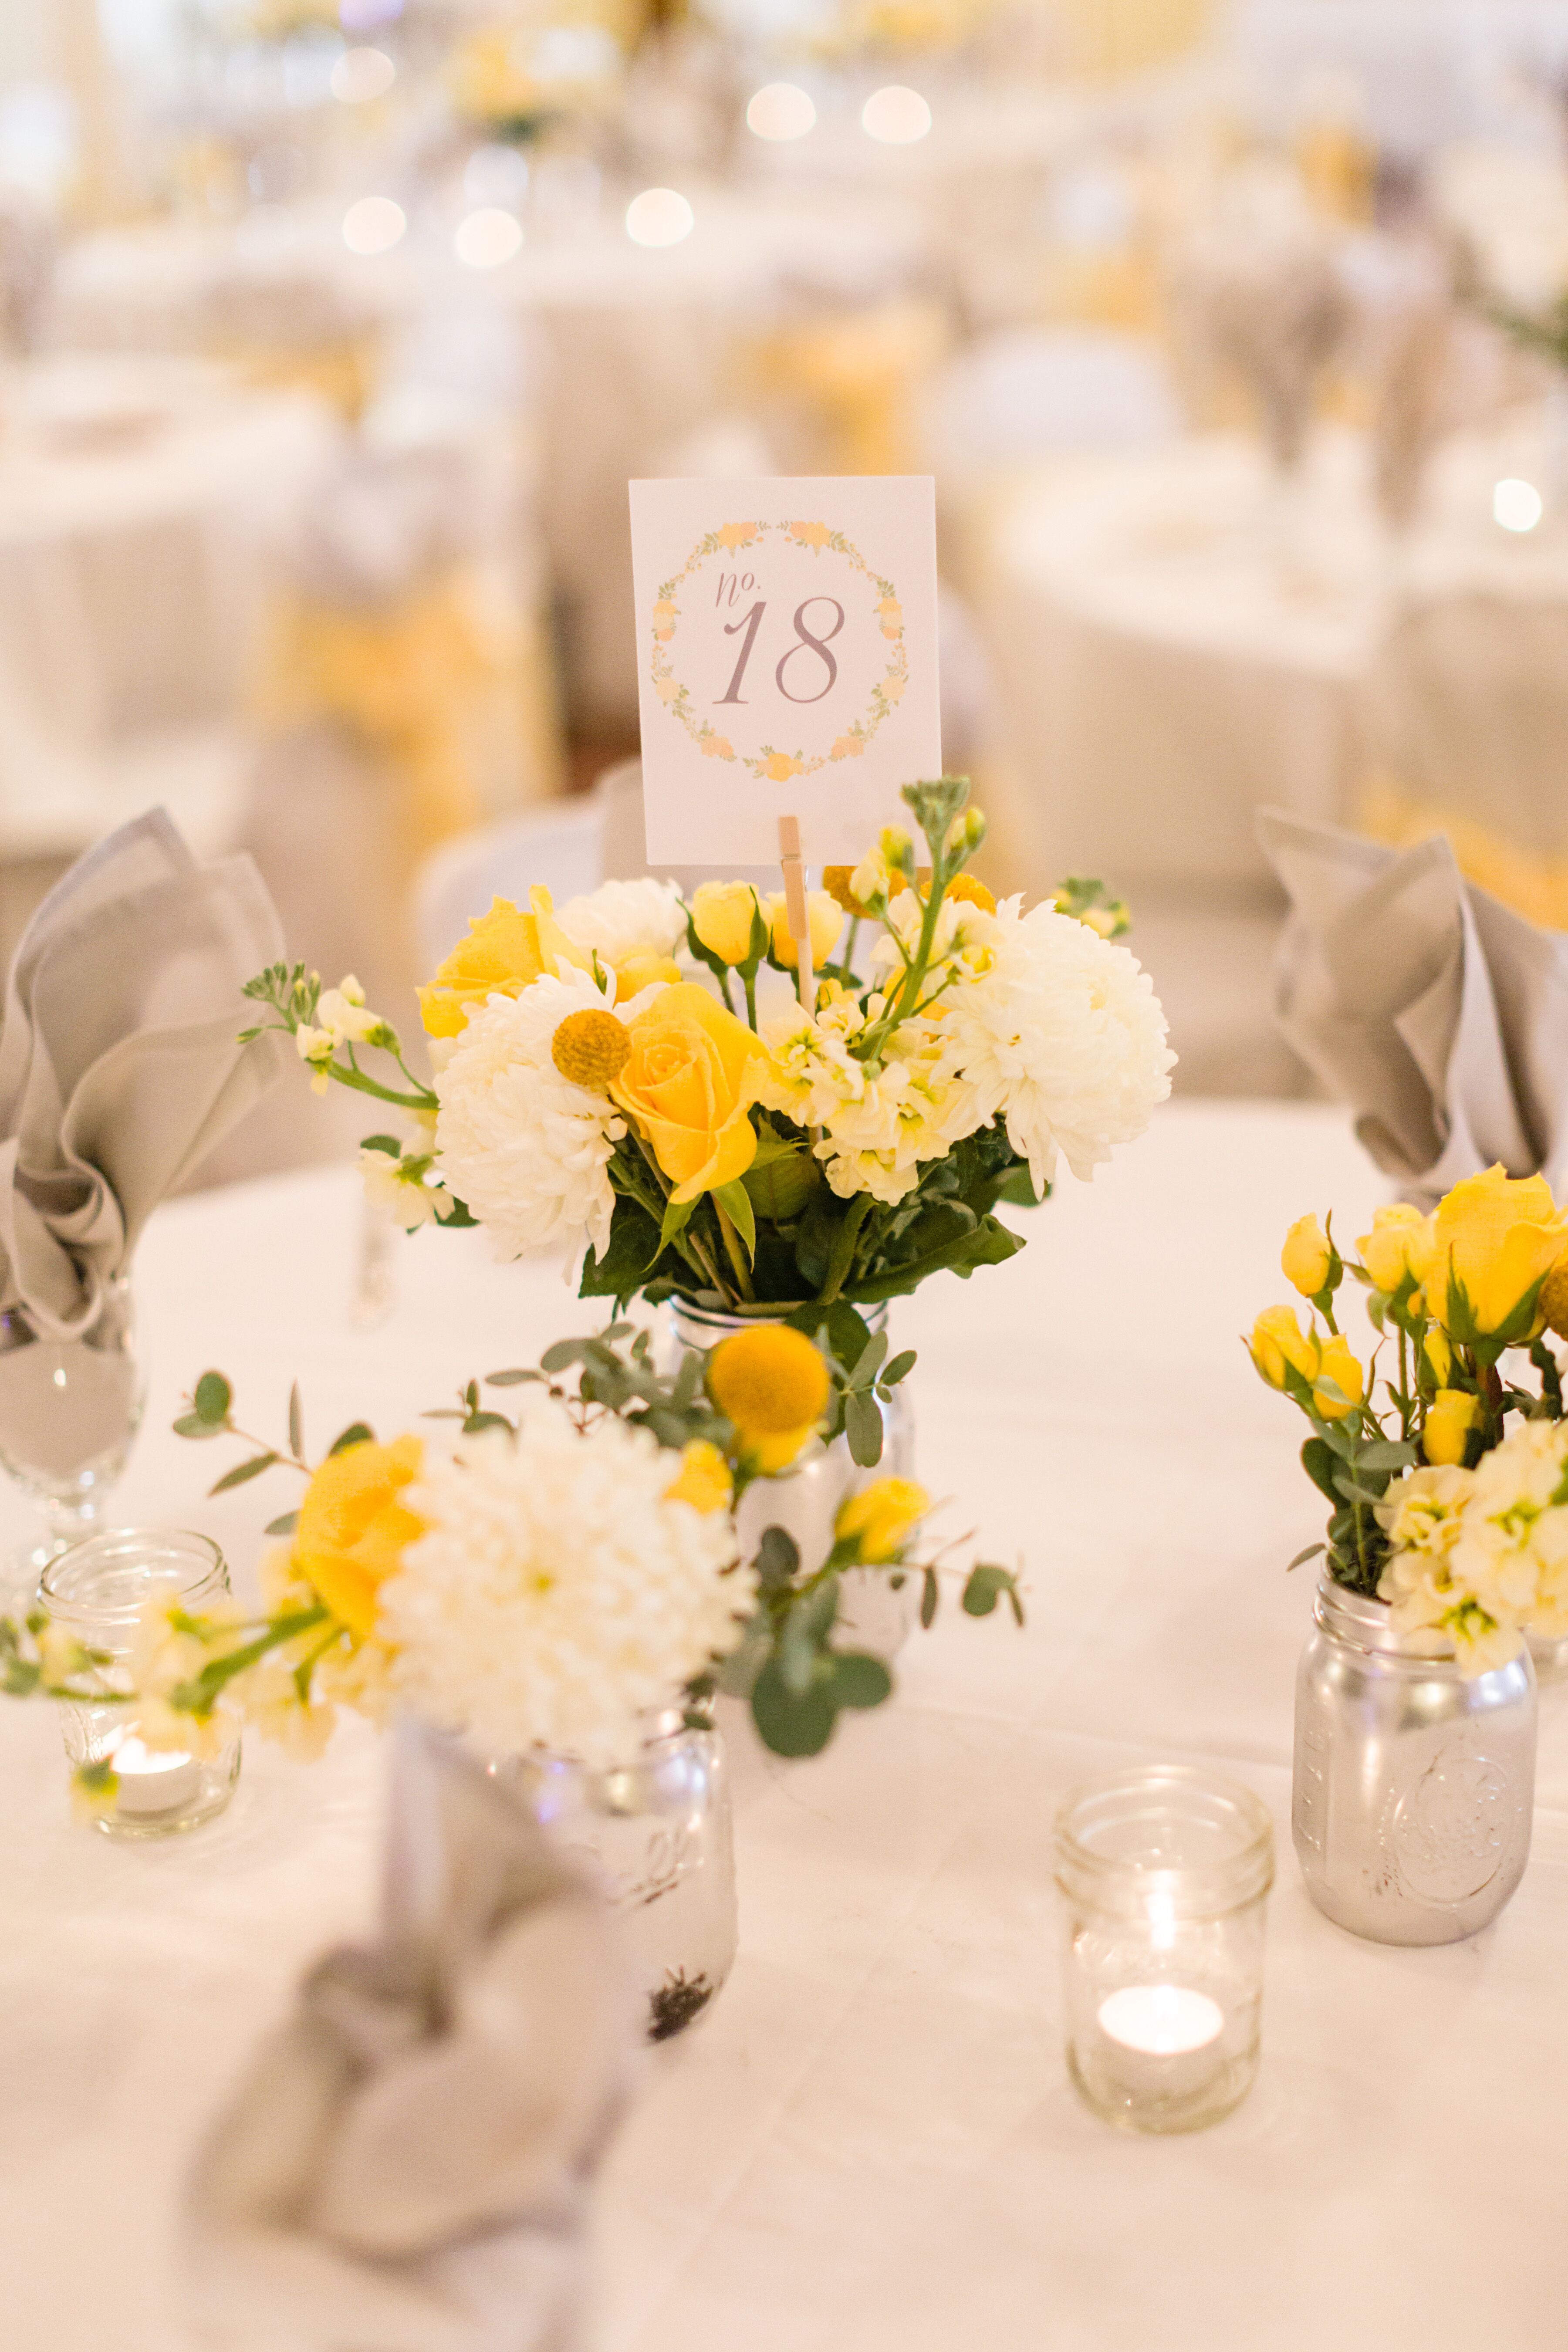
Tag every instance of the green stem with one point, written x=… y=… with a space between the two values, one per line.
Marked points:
x=847 y=957
x=843 y=1249
x=196 y=1696
x=748 y=981
x=737 y=1255
x=423 y=1100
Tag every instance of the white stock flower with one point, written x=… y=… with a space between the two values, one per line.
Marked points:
x=558 y=1597
x=524 y=1148
x=343 y=1015
x=398 y=1186
x=1059 y=1035
x=1513 y=1549
x=879 y=1120
x=622 y=919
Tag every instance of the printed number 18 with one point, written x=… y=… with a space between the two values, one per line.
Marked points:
x=805 y=641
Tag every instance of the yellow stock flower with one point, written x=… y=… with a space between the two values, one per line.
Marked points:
x=883 y=1517
x=1307 y=1256
x=703 y=1480
x=772 y=1382
x=353 y=1529
x=825 y=918
x=1495 y=1238
x=688 y=1082
x=1399 y=1243
x=721 y=916
x=1450 y=1417
x=504 y=952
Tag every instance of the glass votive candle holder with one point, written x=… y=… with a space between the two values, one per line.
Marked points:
x=1165 y=1871
x=96 y=1591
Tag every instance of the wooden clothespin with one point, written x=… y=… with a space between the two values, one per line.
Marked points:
x=796 y=912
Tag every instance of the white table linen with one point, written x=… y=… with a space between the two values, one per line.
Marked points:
x=872 y=2140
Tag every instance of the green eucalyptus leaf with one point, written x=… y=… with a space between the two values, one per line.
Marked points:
x=283 y=1527
x=244 y=1472
x=860 y=1680
x=984 y=1587
x=788 y=1723
x=212 y=1397
x=863 y=1426
x=358 y=1432
x=930 y=1597
x=512 y=1379
x=191 y=1424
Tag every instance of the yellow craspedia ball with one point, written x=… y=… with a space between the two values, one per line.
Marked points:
x=591 y=1049
x=772 y=1382
x=965 y=890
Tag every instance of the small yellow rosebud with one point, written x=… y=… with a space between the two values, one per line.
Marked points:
x=1439 y=1355
x=883 y=1517
x=1450 y=1417
x=1278 y=1340
x=1495 y=1240
x=721 y=916
x=1307 y=1256
x=1398 y=1247
x=1553 y=1300
x=1337 y=1362
x=704 y=1479
x=826 y=918
x=591 y=1049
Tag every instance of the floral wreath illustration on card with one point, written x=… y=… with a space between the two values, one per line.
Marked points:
x=778 y=767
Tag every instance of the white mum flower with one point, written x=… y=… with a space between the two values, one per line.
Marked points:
x=558 y=1597
x=1061 y=1036
x=621 y=919
x=524 y=1148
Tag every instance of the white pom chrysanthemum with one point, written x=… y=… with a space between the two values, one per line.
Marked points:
x=558 y=1596
x=1060 y=1034
x=622 y=919
x=524 y=1148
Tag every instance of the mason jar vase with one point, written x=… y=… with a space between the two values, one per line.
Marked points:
x=1414 y=1788
x=876 y=1613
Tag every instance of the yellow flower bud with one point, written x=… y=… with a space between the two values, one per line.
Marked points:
x=1337 y=1362
x=1277 y=1339
x=1399 y=1245
x=1439 y=1356
x=825 y=918
x=895 y=845
x=645 y=970
x=1307 y=1257
x=704 y=1479
x=883 y=1517
x=1553 y=1300
x=721 y=916
x=871 y=880
x=1450 y=1417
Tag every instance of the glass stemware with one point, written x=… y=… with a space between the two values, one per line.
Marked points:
x=70 y=1410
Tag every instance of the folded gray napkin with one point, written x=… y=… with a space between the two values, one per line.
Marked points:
x=406 y=2164
x=1437 y=1012
x=119 y=1069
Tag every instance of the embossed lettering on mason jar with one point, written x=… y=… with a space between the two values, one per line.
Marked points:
x=1414 y=1788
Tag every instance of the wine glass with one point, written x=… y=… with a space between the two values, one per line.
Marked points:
x=70 y=1410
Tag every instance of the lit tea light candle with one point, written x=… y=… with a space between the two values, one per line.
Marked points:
x=1163 y=2021
x=152 y=1780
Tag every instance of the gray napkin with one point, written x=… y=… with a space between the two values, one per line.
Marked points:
x=406 y=2166
x=1437 y=1012
x=119 y=1069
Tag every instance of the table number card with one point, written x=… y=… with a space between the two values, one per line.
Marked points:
x=787 y=662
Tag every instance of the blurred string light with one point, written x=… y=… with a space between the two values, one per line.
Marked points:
x=659 y=216
x=361 y=74
x=486 y=238
x=897 y=115
x=781 y=111
x=1517 y=506
x=373 y=225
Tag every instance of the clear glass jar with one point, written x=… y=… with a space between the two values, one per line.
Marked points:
x=96 y=1591
x=1414 y=1789
x=70 y=1410
x=1164 y=1871
x=658 y=1834
x=875 y=1613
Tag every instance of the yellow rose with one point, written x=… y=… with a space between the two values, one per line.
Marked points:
x=353 y=1529
x=1495 y=1240
x=1337 y=1362
x=1277 y=1339
x=1399 y=1245
x=703 y=1480
x=1307 y=1257
x=505 y=952
x=688 y=1082
x=721 y=916
x=636 y=972
x=825 y=918
x=883 y=1516
x=772 y=1382
x=1439 y=1356
x=1450 y=1417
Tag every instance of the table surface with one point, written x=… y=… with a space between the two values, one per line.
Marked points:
x=871 y=2140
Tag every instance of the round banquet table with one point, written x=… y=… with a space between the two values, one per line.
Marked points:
x=871 y=2139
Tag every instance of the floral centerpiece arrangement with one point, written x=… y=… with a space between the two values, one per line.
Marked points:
x=1446 y=1476
x=606 y=1081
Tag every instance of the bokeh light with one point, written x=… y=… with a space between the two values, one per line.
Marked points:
x=898 y=116
x=781 y=111
x=373 y=225
x=1517 y=506
x=361 y=74
x=487 y=237
x=659 y=216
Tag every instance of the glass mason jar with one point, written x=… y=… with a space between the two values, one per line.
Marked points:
x=1165 y=1871
x=1414 y=1789
x=70 y=1410
x=873 y=1614
x=95 y=1591
x=659 y=1835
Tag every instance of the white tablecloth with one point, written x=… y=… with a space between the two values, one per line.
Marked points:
x=871 y=2141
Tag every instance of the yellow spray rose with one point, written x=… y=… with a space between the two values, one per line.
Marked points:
x=1337 y=1362
x=703 y=1480
x=505 y=952
x=688 y=1082
x=1450 y=1417
x=1399 y=1245
x=825 y=918
x=883 y=1516
x=1277 y=1341
x=1495 y=1240
x=772 y=1382
x=353 y=1527
x=1307 y=1257
x=721 y=916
